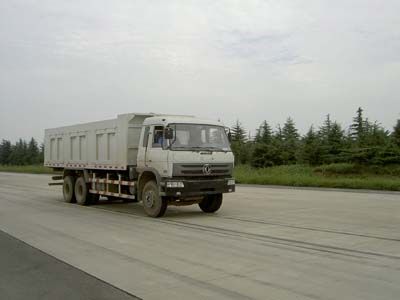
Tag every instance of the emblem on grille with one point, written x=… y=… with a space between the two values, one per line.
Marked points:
x=206 y=169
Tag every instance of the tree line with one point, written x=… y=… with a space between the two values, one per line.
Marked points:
x=364 y=142
x=21 y=153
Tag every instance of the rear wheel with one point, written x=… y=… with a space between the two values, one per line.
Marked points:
x=81 y=192
x=68 y=189
x=211 y=203
x=154 y=205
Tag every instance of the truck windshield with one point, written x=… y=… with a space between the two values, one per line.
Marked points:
x=199 y=137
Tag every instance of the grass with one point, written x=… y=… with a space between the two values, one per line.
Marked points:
x=330 y=176
x=34 y=169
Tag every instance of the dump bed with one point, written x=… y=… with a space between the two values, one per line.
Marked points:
x=110 y=144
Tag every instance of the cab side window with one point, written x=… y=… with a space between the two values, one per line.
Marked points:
x=158 y=137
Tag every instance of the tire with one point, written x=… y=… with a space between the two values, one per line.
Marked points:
x=81 y=192
x=211 y=203
x=69 y=189
x=154 y=205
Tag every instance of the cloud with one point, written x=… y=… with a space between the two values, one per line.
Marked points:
x=72 y=61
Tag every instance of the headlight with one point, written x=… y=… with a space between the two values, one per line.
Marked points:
x=231 y=182
x=175 y=184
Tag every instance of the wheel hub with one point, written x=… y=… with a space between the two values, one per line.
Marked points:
x=149 y=199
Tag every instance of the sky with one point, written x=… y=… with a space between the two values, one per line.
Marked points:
x=66 y=62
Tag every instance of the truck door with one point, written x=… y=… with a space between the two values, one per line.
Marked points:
x=141 y=158
x=156 y=157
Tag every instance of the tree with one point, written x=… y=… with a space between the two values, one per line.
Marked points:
x=264 y=133
x=290 y=142
x=240 y=148
x=326 y=128
x=5 y=152
x=264 y=155
x=358 y=127
x=396 y=134
x=289 y=131
x=241 y=151
x=370 y=141
x=311 y=150
x=333 y=143
x=376 y=135
x=238 y=133
x=267 y=148
x=390 y=154
x=278 y=136
x=19 y=153
x=32 y=152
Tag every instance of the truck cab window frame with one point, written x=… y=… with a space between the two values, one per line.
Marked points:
x=158 y=137
x=146 y=136
x=191 y=136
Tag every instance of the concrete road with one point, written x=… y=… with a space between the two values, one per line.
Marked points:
x=27 y=273
x=265 y=243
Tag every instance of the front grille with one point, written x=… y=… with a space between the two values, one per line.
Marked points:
x=216 y=169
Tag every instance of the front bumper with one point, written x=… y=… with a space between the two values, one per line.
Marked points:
x=198 y=187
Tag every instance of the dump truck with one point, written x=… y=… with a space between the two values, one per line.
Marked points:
x=155 y=159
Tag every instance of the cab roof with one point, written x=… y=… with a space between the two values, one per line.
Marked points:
x=171 y=119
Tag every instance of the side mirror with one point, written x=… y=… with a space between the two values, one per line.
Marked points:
x=168 y=133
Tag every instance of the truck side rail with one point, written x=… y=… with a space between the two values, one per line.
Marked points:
x=106 y=181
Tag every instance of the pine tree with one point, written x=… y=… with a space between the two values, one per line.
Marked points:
x=19 y=153
x=325 y=129
x=265 y=155
x=336 y=138
x=396 y=133
x=311 y=151
x=278 y=136
x=264 y=133
x=238 y=133
x=240 y=148
x=32 y=152
x=277 y=145
x=5 y=152
x=289 y=131
x=376 y=136
x=358 y=128
x=290 y=142
x=266 y=136
x=257 y=138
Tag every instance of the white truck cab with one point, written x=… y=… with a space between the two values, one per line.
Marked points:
x=160 y=160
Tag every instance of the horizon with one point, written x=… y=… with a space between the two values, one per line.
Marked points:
x=274 y=127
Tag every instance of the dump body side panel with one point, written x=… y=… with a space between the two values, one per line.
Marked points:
x=109 y=144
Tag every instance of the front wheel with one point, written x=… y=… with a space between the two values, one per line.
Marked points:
x=154 y=205
x=211 y=203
